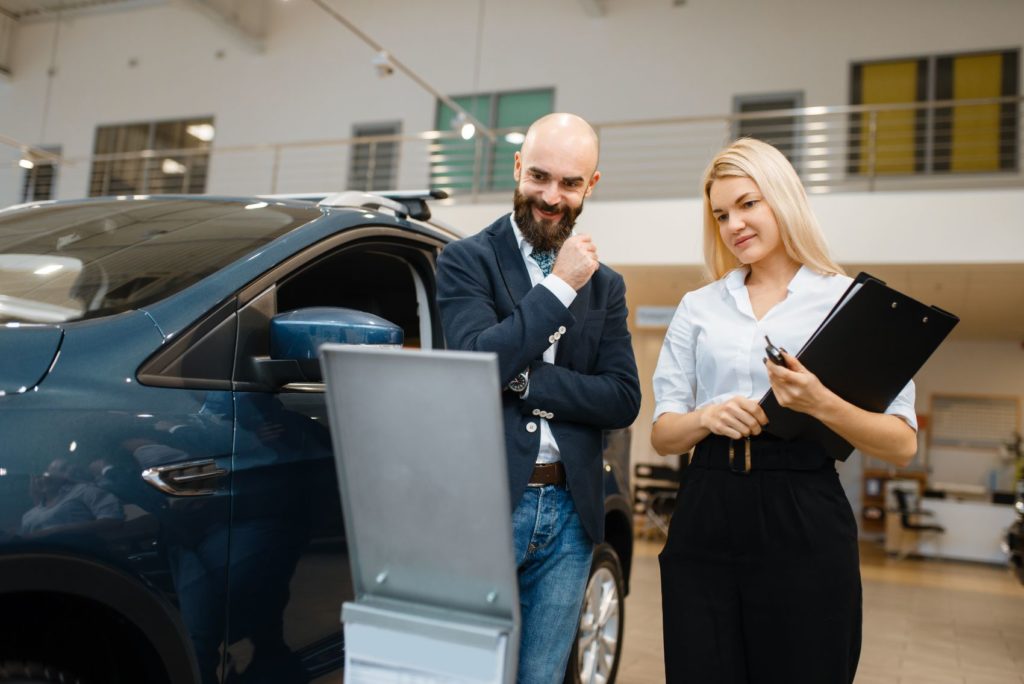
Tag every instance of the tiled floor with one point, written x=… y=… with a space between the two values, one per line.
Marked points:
x=925 y=622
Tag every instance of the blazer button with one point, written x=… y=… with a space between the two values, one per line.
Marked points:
x=549 y=415
x=531 y=427
x=561 y=329
x=536 y=412
x=551 y=339
x=557 y=336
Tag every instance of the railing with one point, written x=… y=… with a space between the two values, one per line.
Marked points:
x=935 y=145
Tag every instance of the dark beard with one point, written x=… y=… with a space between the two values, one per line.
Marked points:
x=543 y=235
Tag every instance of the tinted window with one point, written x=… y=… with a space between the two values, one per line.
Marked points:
x=69 y=262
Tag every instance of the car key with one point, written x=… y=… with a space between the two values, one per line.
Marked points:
x=774 y=353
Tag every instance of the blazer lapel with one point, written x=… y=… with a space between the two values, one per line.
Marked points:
x=517 y=282
x=510 y=260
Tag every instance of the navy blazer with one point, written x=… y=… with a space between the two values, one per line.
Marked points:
x=489 y=304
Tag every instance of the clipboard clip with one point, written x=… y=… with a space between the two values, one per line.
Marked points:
x=746 y=457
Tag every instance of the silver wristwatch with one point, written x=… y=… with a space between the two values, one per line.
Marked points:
x=520 y=382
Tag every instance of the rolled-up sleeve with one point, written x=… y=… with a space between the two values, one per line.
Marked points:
x=675 y=378
x=903 y=405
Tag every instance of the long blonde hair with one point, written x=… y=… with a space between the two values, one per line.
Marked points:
x=782 y=190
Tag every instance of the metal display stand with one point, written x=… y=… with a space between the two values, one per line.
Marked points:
x=419 y=448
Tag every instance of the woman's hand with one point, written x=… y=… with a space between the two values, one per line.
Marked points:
x=735 y=418
x=796 y=387
x=876 y=434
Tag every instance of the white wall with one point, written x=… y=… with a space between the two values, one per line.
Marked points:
x=977 y=368
x=968 y=226
x=644 y=59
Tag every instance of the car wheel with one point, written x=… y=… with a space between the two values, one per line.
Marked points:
x=598 y=649
x=19 y=672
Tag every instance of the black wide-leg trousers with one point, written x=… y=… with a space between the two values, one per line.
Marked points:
x=760 y=575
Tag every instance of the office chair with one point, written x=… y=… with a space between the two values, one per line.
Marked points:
x=654 y=497
x=912 y=529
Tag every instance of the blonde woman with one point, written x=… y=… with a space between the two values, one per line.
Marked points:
x=760 y=574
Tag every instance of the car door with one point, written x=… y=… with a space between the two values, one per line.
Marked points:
x=288 y=563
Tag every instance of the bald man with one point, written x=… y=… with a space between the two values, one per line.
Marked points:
x=532 y=290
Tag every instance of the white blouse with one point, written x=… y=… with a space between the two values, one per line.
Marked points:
x=714 y=346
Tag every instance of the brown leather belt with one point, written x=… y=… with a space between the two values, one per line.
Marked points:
x=548 y=474
x=763 y=452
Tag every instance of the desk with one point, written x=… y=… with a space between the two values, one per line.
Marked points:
x=974 y=530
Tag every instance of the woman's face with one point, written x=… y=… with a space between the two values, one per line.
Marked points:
x=745 y=221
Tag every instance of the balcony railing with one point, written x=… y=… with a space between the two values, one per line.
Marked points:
x=859 y=148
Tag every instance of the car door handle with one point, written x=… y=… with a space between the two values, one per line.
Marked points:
x=194 y=478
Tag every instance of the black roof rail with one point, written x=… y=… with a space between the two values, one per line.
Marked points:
x=415 y=201
x=411 y=203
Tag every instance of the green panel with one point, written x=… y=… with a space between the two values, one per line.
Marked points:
x=522 y=109
x=516 y=110
x=452 y=161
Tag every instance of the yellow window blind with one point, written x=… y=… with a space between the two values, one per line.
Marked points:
x=894 y=141
x=976 y=134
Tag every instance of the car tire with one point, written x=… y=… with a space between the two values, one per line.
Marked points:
x=20 y=672
x=596 y=653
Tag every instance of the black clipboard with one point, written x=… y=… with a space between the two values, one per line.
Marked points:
x=870 y=345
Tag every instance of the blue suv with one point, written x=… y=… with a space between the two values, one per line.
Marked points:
x=168 y=505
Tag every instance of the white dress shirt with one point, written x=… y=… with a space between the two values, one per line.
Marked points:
x=548 y=452
x=714 y=346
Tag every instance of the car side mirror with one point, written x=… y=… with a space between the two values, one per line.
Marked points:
x=296 y=337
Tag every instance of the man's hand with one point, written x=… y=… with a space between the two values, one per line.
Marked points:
x=736 y=418
x=577 y=261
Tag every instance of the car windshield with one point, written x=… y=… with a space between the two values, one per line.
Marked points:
x=68 y=262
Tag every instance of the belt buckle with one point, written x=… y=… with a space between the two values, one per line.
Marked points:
x=543 y=468
x=746 y=457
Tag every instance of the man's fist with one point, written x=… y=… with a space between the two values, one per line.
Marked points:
x=577 y=261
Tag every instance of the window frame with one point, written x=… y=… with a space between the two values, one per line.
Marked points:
x=104 y=168
x=367 y=181
x=29 y=187
x=485 y=179
x=796 y=145
x=925 y=163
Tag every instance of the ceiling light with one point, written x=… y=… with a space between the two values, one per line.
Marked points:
x=465 y=127
x=172 y=167
x=515 y=138
x=202 y=132
x=26 y=163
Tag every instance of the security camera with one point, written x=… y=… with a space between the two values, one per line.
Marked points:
x=382 y=63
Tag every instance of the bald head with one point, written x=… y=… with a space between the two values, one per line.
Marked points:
x=555 y=171
x=570 y=132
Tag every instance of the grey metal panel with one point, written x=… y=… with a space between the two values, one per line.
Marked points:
x=419 y=447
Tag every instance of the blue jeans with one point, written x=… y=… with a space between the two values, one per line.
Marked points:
x=553 y=554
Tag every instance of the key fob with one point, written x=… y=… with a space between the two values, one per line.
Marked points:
x=773 y=353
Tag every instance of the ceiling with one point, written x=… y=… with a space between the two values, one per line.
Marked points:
x=245 y=19
x=32 y=9
x=988 y=298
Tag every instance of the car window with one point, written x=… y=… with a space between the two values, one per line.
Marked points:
x=379 y=279
x=68 y=262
